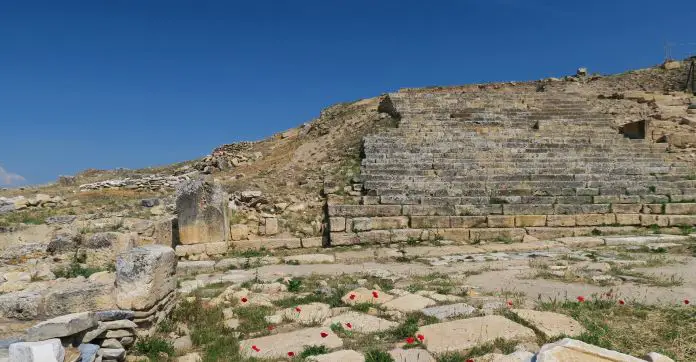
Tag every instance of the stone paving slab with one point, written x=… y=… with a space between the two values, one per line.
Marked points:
x=364 y=295
x=551 y=324
x=411 y=355
x=571 y=350
x=279 y=345
x=409 y=303
x=360 y=322
x=307 y=314
x=444 y=312
x=464 y=334
x=343 y=356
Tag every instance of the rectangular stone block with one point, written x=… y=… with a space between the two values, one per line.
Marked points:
x=654 y=199
x=430 y=222
x=202 y=212
x=626 y=208
x=560 y=220
x=653 y=209
x=617 y=199
x=218 y=248
x=573 y=200
x=679 y=220
x=337 y=223
x=144 y=276
x=475 y=210
x=338 y=239
x=617 y=230
x=270 y=243
x=186 y=250
x=403 y=235
x=530 y=220
x=680 y=209
x=455 y=234
x=429 y=210
x=501 y=221
x=682 y=198
x=549 y=233
x=239 y=232
x=649 y=220
x=587 y=191
x=467 y=221
x=628 y=219
x=370 y=200
x=375 y=237
x=562 y=209
x=315 y=242
x=528 y=209
x=595 y=219
x=497 y=234
x=364 y=210
x=387 y=223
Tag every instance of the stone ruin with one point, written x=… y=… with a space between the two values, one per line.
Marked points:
x=98 y=318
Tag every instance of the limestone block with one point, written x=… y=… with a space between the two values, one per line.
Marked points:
x=449 y=311
x=527 y=209
x=364 y=210
x=279 y=345
x=338 y=239
x=375 y=237
x=679 y=220
x=468 y=221
x=560 y=220
x=497 y=234
x=62 y=326
x=364 y=295
x=270 y=243
x=164 y=231
x=549 y=233
x=310 y=259
x=581 y=241
x=551 y=324
x=360 y=322
x=337 y=223
x=430 y=222
x=595 y=219
x=271 y=224
x=379 y=223
x=411 y=355
x=409 y=303
x=315 y=242
x=465 y=334
x=530 y=220
x=239 y=232
x=402 y=235
x=45 y=351
x=501 y=221
x=458 y=234
x=193 y=249
x=202 y=212
x=628 y=219
x=218 y=248
x=681 y=209
x=626 y=208
x=144 y=276
x=653 y=208
x=468 y=210
x=573 y=350
x=659 y=220
x=428 y=210
x=307 y=314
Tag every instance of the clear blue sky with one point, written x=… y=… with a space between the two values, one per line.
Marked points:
x=135 y=83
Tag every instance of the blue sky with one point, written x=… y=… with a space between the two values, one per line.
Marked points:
x=136 y=83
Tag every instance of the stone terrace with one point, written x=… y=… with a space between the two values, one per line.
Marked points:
x=469 y=166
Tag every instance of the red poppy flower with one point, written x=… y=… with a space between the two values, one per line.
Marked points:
x=244 y=299
x=581 y=299
x=298 y=309
x=410 y=340
x=686 y=301
x=291 y=354
x=470 y=360
x=375 y=294
x=621 y=301
x=352 y=296
x=509 y=303
x=420 y=337
x=257 y=349
x=349 y=325
x=324 y=334
x=270 y=328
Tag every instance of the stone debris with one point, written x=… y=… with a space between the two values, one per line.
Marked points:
x=147 y=182
x=62 y=326
x=44 y=351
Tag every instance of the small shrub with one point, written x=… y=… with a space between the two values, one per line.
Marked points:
x=294 y=285
x=152 y=347
x=313 y=351
x=376 y=355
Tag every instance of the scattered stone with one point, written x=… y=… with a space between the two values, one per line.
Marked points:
x=409 y=303
x=112 y=315
x=88 y=352
x=343 y=356
x=112 y=353
x=111 y=343
x=360 y=322
x=62 y=326
x=191 y=357
x=44 y=351
x=449 y=311
x=150 y=202
x=464 y=334
x=278 y=345
x=182 y=344
x=573 y=350
x=270 y=288
x=411 y=355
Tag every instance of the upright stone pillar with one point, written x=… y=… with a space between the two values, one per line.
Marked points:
x=145 y=277
x=202 y=213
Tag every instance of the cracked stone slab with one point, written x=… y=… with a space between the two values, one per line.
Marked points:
x=343 y=356
x=449 y=311
x=361 y=322
x=551 y=324
x=409 y=303
x=279 y=345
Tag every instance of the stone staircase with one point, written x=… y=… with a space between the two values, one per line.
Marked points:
x=502 y=165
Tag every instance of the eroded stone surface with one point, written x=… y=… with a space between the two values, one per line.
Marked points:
x=551 y=324
x=307 y=314
x=278 y=345
x=343 y=356
x=360 y=322
x=44 y=351
x=144 y=276
x=364 y=295
x=571 y=350
x=449 y=311
x=62 y=326
x=463 y=334
x=411 y=355
x=409 y=303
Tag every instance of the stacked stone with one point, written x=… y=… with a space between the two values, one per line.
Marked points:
x=485 y=166
x=37 y=201
x=149 y=182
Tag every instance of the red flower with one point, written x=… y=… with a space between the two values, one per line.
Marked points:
x=581 y=299
x=509 y=303
x=324 y=334
x=349 y=325
x=420 y=337
x=244 y=299
x=291 y=354
x=410 y=340
x=298 y=309
x=375 y=294
x=470 y=360
x=352 y=297
x=257 y=349
x=621 y=301
x=271 y=327
x=686 y=301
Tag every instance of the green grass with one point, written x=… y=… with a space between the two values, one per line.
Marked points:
x=633 y=328
x=376 y=355
x=410 y=325
x=154 y=348
x=294 y=285
x=499 y=345
x=313 y=351
x=252 y=319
